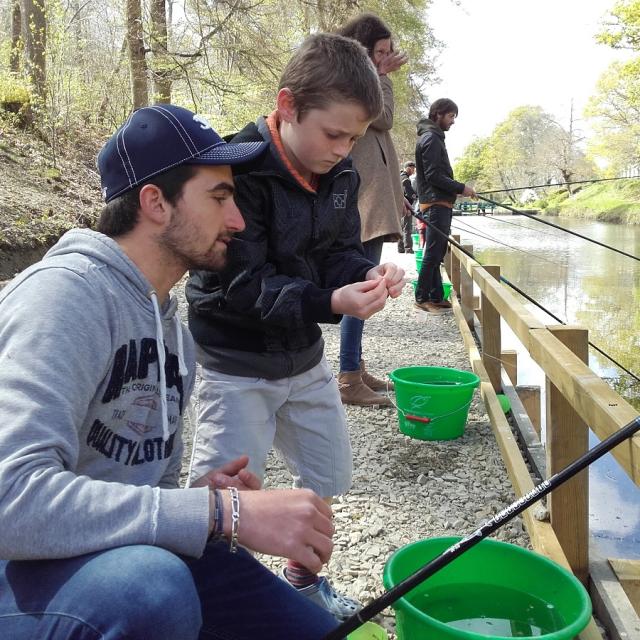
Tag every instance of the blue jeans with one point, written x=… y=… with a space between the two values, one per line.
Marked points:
x=351 y=328
x=429 y=287
x=142 y=592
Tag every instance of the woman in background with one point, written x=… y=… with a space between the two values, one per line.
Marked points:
x=380 y=200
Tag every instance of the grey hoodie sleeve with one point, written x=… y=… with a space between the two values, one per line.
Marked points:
x=52 y=360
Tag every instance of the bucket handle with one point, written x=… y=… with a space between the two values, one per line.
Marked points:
x=425 y=419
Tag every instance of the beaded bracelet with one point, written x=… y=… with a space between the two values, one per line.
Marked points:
x=235 y=519
x=218 y=517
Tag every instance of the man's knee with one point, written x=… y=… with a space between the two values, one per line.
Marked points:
x=153 y=594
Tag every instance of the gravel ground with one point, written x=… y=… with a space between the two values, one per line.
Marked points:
x=404 y=489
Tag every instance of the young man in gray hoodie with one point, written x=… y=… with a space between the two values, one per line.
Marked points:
x=98 y=540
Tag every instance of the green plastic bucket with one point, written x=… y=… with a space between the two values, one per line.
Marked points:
x=433 y=402
x=418 y=263
x=419 y=253
x=446 y=288
x=368 y=631
x=416 y=239
x=493 y=590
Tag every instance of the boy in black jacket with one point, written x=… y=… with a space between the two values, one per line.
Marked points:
x=299 y=262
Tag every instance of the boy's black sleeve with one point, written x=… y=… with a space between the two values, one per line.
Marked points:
x=431 y=153
x=409 y=191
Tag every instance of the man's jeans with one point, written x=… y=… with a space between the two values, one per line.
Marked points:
x=144 y=592
x=429 y=288
x=351 y=328
x=406 y=242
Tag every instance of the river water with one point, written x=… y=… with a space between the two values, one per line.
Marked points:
x=591 y=286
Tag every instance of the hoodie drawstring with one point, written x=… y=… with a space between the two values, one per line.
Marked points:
x=162 y=359
x=182 y=367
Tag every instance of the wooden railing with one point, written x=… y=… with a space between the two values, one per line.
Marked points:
x=576 y=398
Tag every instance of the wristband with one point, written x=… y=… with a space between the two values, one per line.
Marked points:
x=218 y=517
x=235 y=519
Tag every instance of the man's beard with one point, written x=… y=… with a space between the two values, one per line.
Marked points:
x=178 y=238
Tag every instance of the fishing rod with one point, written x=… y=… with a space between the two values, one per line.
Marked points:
x=558 y=184
x=556 y=226
x=420 y=216
x=484 y=530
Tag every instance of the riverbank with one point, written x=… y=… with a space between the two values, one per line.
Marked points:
x=403 y=489
x=616 y=202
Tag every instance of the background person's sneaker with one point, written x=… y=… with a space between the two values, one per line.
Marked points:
x=443 y=304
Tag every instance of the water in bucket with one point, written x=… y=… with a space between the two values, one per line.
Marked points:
x=433 y=402
x=494 y=590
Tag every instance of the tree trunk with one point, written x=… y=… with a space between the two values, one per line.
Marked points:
x=161 y=62
x=137 y=61
x=34 y=37
x=16 y=28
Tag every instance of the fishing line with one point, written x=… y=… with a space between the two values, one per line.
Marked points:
x=558 y=184
x=483 y=531
x=504 y=244
x=517 y=289
x=515 y=224
x=556 y=226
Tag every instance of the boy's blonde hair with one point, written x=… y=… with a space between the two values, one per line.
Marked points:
x=329 y=68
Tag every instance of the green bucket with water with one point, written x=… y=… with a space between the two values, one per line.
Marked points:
x=433 y=402
x=446 y=288
x=418 y=263
x=493 y=591
x=416 y=239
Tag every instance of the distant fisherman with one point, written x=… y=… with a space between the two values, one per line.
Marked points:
x=437 y=192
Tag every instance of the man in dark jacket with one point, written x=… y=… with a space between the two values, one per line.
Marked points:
x=405 y=244
x=437 y=192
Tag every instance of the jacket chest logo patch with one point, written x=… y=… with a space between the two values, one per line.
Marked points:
x=340 y=200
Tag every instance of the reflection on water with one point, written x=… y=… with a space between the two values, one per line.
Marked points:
x=581 y=283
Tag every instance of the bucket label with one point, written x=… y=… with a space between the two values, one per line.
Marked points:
x=418 y=402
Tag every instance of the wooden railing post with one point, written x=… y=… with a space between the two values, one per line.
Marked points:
x=530 y=397
x=510 y=363
x=449 y=256
x=466 y=292
x=455 y=269
x=567 y=438
x=491 y=334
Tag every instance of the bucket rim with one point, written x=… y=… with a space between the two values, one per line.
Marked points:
x=571 y=630
x=474 y=379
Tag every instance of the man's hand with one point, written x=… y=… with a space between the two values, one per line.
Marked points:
x=408 y=209
x=232 y=474
x=292 y=523
x=469 y=192
x=361 y=299
x=393 y=275
x=391 y=62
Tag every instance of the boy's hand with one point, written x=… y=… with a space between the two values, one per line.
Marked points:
x=393 y=276
x=361 y=299
x=391 y=62
x=232 y=474
x=292 y=523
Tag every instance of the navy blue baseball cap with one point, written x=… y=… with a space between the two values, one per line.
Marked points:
x=158 y=138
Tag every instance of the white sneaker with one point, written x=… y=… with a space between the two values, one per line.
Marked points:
x=323 y=594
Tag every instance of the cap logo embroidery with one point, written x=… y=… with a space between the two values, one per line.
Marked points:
x=204 y=123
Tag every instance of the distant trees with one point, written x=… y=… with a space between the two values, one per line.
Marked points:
x=92 y=62
x=615 y=108
x=528 y=148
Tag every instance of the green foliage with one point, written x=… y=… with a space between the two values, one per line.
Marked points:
x=15 y=93
x=622 y=29
x=528 y=148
